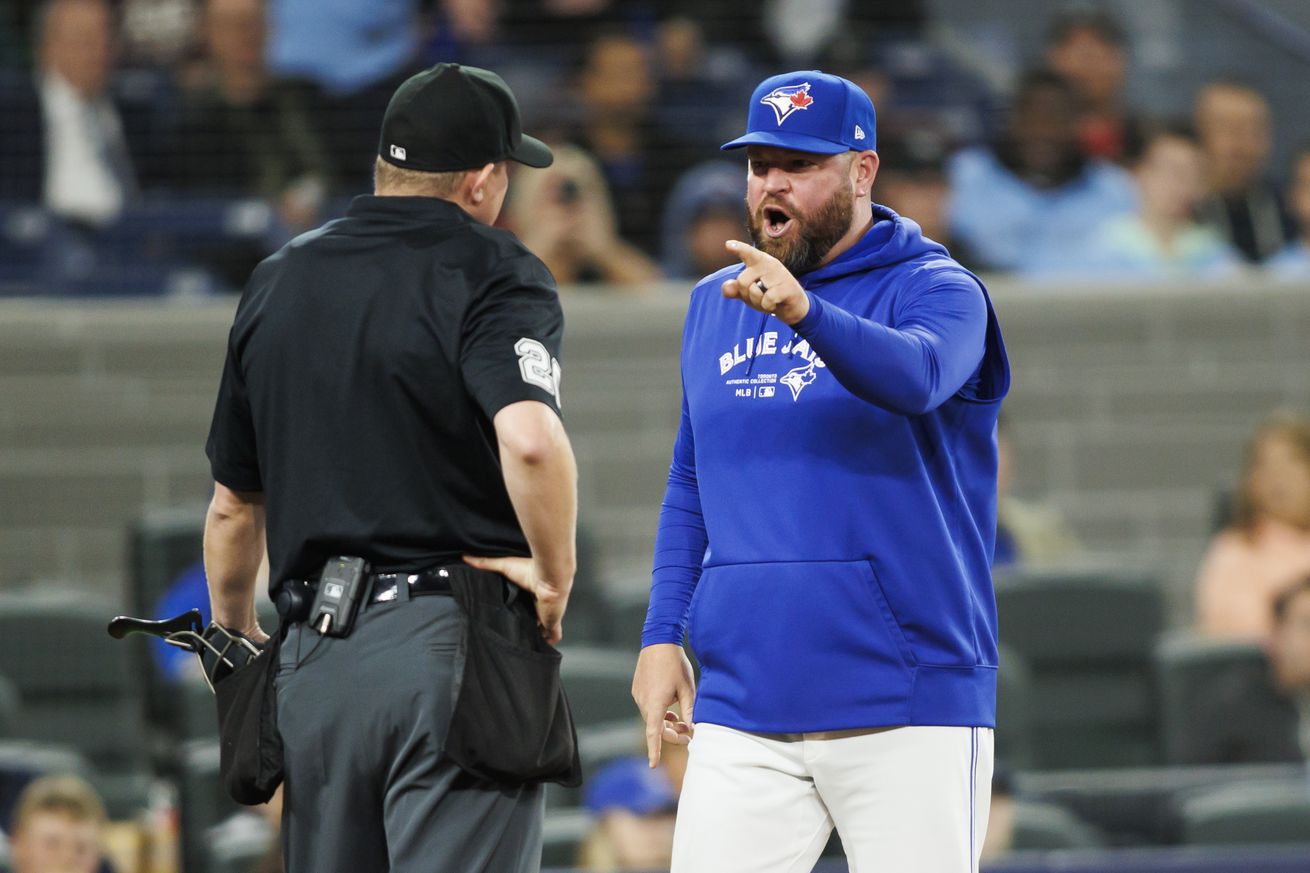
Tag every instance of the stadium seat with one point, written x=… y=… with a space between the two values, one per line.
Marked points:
x=628 y=614
x=77 y=687
x=8 y=706
x=1014 y=716
x=1139 y=806
x=599 y=684
x=202 y=806
x=1088 y=639
x=1049 y=826
x=1188 y=667
x=1248 y=813
x=562 y=834
x=161 y=544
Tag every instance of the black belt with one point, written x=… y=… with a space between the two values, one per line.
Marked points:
x=386 y=586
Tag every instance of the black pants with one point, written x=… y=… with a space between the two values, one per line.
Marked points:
x=364 y=719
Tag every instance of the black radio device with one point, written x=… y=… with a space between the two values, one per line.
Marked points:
x=338 y=594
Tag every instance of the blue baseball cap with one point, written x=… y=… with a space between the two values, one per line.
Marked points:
x=629 y=783
x=809 y=111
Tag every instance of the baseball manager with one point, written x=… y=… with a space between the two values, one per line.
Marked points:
x=829 y=521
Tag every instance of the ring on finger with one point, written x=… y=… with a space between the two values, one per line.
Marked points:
x=759 y=283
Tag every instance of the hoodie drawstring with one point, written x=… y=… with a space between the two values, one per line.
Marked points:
x=764 y=322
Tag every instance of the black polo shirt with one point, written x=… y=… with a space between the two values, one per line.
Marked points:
x=364 y=367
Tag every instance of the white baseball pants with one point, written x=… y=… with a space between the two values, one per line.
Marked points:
x=903 y=800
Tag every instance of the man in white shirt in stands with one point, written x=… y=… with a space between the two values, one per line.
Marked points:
x=88 y=173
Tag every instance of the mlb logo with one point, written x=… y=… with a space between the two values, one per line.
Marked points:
x=398 y=153
x=765 y=391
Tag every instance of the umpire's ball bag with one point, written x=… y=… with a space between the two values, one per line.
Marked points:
x=250 y=747
x=511 y=724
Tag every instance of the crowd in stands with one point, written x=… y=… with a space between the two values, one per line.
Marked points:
x=194 y=136
x=197 y=135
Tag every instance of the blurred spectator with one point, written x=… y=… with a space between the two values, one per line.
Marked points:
x=1293 y=262
x=724 y=22
x=254 y=827
x=800 y=33
x=1032 y=199
x=1162 y=239
x=1026 y=532
x=58 y=828
x=1267 y=545
x=64 y=140
x=554 y=23
x=633 y=808
x=564 y=214
x=1236 y=134
x=616 y=88
x=243 y=133
x=912 y=183
x=1089 y=48
x=1266 y=718
x=158 y=32
x=352 y=54
x=189 y=590
x=706 y=208
x=699 y=87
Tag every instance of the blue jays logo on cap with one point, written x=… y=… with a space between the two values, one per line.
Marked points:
x=837 y=115
x=788 y=99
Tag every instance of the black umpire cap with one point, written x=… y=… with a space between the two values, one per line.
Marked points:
x=451 y=117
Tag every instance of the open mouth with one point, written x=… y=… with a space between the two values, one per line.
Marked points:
x=777 y=221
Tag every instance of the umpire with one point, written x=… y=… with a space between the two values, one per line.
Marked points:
x=390 y=406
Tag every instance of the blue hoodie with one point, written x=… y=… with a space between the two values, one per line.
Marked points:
x=830 y=515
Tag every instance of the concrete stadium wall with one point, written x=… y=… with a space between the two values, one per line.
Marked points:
x=1129 y=410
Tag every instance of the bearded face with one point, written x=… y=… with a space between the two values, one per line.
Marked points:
x=801 y=239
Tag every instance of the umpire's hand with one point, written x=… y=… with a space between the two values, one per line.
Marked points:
x=663 y=678
x=766 y=285
x=552 y=599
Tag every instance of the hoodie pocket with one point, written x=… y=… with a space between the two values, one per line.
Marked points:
x=798 y=637
x=893 y=624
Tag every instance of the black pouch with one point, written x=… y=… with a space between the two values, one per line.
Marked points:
x=511 y=723
x=250 y=747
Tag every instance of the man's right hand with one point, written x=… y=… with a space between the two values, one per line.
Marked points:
x=552 y=598
x=663 y=678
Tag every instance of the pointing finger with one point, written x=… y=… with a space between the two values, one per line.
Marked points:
x=750 y=256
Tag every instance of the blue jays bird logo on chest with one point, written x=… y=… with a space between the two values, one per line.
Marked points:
x=788 y=99
x=798 y=378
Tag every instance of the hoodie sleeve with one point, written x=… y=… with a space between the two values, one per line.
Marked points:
x=680 y=544
x=912 y=368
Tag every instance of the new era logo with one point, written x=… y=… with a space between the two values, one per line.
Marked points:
x=859 y=133
x=398 y=153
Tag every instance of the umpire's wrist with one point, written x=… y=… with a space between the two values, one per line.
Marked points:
x=246 y=626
